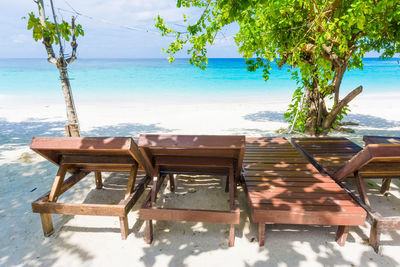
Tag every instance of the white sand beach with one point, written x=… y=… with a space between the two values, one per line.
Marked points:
x=96 y=241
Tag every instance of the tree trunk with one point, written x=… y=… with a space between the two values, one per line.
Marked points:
x=331 y=117
x=313 y=104
x=319 y=121
x=72 y=129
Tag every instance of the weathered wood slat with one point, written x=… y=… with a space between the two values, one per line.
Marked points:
x=278 y=183
x=262 y=178
x=324 y=201
x=190 y=215
x=289 y=189
x=78 y=209
x=293 y=173
x=308 y=217
x=349 y=209
x=297 y=195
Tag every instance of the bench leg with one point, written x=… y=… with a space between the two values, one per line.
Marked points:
x=47 y=224
x=375 y=237
x=361 y=189
x=341 y=234
x=385 y=185
x=123 y=221
x=131 y=182
x=156 y=177
x=232 y=235
x=99 y=182
x=149 y=231
x=261 y=233
x=171 y=182
x=227 y=184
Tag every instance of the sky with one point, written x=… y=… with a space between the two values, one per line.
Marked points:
x=109 y=29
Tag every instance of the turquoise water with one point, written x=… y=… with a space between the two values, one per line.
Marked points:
x=139 y=77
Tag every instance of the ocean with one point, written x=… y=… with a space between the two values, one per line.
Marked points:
x=114 y=79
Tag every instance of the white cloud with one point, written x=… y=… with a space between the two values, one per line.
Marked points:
x=20 y=38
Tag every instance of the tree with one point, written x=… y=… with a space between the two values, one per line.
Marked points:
x=318 y=39
x=50 y=33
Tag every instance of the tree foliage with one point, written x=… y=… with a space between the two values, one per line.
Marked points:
x=48 y=32
x=318 y=39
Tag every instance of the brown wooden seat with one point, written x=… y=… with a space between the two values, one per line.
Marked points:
x=80 y=156
x=342 y=159
x=197 y=154
x=284 y=188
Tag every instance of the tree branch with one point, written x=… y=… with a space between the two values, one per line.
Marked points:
x=49 y=48
x=332 y=115
x=74 y=45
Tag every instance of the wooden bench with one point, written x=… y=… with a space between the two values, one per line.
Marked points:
x=343 y=159
x=80 y=156
x=192 y=154
x=282 y=187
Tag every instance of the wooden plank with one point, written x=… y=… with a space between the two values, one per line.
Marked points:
x=385 y=186
x=123 y=220
x=146 y=160
x=149 y=231
x=279 y=166
x=261 y=234
x=190 y=215
x=276 y=160
x=239 y=165
x=51 y=147
x=98 y=179
x=299 y=207
x=308 y=217
x=81 y=143
x=286 y=174
x=191 y=141
x=141 y=159
x=361 y=189
x=262 y=178
x=57 y=184
x=197 y=152
x=78 y=209
x=341 y=234
x=323 y=201
x=147 y=202
x=77 y=159
x=194 y=161
x=275 y=183
x=155 y=188
x=232 y=186
x=299 y=195
x=130 y=201
x=381 y=140
x=289 y=189
x=171 y=182
x=231 y=235
x=131 y=180
x=47 y=224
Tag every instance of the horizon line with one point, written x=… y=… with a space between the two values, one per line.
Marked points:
x=151 y=58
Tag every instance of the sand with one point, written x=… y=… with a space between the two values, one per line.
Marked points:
x=95 y=241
